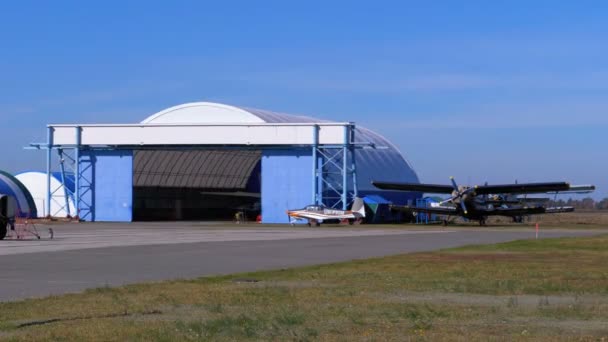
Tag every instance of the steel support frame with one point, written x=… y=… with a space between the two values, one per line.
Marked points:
x=334 y=181
x=67 y=163
x=333 y=170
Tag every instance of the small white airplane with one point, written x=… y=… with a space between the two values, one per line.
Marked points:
x=316 y=214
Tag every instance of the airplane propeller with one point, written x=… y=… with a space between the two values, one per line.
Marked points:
x=458 y=194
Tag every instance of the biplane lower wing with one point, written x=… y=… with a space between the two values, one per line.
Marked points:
x=430 y=210
x=524 y=188
x=428 y=188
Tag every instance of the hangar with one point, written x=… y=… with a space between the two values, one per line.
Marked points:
x=205 y=161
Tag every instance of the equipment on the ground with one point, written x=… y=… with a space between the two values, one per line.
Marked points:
x=13 y=225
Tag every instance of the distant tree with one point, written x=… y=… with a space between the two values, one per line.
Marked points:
x=603 y=204
x=587 y=203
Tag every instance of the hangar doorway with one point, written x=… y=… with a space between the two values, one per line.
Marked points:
x=196 y=184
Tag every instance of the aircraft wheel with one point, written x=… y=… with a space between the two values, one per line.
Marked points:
x=445 y=223
x=317 y=224
x=351 y=222
x=3 y=229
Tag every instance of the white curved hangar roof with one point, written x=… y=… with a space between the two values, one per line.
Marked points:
x=384 y=162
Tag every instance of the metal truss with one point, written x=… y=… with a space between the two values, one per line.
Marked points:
x=334 y=171
x=67 y=166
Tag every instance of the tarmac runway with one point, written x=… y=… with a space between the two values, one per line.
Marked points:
x=85 y=256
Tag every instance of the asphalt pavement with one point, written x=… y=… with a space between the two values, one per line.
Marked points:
x=88 y=256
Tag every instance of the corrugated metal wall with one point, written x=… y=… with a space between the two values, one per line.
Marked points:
x=196 y=184
x=203 y=169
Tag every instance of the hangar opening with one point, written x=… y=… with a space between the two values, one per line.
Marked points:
x=196 y=184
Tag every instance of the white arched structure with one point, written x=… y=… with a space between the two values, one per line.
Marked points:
x=202 y=113
x=35 y=182
x=385 y=162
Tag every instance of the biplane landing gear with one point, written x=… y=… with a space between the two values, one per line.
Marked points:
x=445 y=223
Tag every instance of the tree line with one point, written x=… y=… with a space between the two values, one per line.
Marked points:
x=586 y=203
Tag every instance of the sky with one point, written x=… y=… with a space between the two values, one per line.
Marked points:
x=479 y=90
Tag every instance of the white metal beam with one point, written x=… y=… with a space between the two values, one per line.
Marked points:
x=207 y=134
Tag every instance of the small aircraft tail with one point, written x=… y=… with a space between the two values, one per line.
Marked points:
x=358 y=207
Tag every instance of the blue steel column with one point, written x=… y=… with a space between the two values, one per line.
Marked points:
x=353 y=162
x=315 y=165
x=345 y=148
x=77 y=172
x=49 y=149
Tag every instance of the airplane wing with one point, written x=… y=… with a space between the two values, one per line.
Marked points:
x=524 y=188
x=529 y=211
x=431 y=210
x=576 y=189
x=555 y=210
x=428 y=188
x=533 y=199
x=517 y=211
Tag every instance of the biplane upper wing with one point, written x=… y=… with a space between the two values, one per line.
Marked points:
x=524 y=188
x=428 y=188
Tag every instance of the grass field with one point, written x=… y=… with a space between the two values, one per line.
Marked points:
x=549 y=290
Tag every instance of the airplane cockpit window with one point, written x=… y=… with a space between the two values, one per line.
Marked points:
x=314 y=208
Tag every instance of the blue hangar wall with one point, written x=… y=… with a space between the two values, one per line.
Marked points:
x=286 y=183
x=106 y=186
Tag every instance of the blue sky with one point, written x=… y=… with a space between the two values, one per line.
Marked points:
x=480 y=90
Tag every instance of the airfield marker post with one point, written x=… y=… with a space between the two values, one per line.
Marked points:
x=537 y=231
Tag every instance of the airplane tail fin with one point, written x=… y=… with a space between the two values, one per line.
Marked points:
x=358 y=207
